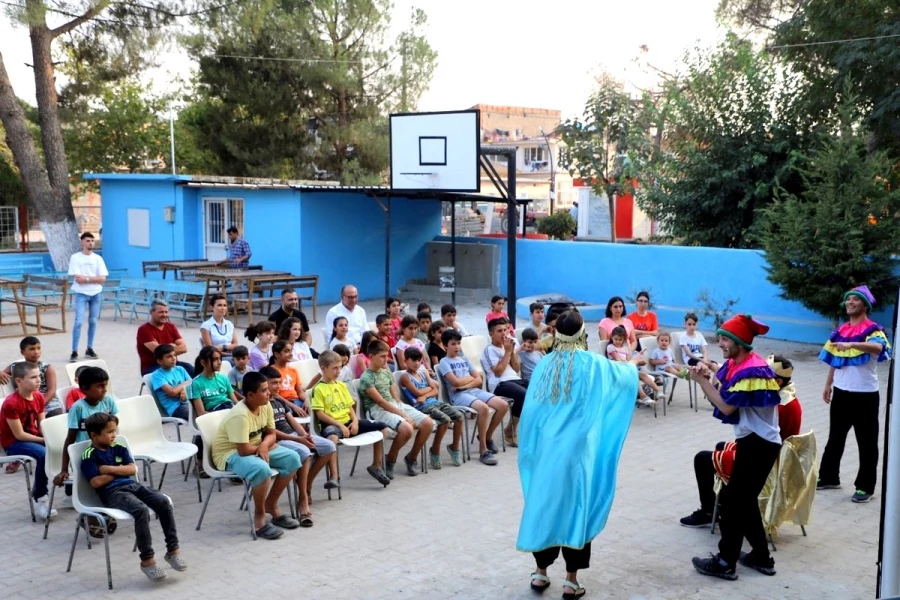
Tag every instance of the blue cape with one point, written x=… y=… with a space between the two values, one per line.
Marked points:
x=569 y=450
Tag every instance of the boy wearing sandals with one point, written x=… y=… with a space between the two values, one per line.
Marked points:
x=246 y=445
x=110 y=470
x=292 y=435
x=336 y=413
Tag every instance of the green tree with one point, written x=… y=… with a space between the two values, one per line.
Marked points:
x=731 y=131
x=843 y=230
x=606 y=143
x=125 y=130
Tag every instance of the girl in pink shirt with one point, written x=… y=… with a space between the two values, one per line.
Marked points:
x=498 y=303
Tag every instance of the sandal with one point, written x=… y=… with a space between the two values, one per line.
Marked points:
x=538 y=587
x=306 y=520
x=509 y=438
x=12 y=468
x=575 y=587
x=269 y=532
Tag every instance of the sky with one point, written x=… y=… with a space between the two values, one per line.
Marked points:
x=526 y=53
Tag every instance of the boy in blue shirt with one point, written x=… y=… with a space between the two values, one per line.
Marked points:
x=109 y=468
x=170 y=382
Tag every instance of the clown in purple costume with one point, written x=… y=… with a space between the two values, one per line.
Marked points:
x=748 y=399
x=853 y=351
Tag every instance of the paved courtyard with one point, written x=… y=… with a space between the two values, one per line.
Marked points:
x=450 y=533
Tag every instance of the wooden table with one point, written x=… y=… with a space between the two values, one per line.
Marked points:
x=217 y=283
x=12 y=285
x=184 y=265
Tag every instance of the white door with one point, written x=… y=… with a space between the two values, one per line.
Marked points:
x=215 y=223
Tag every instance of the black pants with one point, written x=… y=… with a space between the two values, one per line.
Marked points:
x=738 y=500
x=575 y=559
x=134 y=499
x=858 y=410
x=515 y=390
x=705 y=473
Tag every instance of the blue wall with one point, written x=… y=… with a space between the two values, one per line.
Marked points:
x=593 y=272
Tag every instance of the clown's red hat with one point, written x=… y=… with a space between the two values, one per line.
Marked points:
x=742 y=329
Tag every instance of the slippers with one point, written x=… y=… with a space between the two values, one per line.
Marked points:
x=539 y=587
x=306 y=520
x=575 y=587
x=12 y=468
x=286 y=521
x=269 y=532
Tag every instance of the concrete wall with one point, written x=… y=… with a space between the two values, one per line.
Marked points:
x=477 y=265
x=674 y=275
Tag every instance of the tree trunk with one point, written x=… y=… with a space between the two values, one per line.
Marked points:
x=612 y=216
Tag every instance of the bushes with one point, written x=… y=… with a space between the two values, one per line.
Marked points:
x=559 y=226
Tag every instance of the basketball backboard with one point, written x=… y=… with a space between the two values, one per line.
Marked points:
x=435 y=151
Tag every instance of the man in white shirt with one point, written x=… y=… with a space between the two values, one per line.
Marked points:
x=89 y=274
x=501 y=365
x=350 y=309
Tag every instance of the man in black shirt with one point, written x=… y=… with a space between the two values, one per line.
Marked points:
x=290 y=304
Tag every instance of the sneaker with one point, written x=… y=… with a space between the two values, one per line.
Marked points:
x=412 y=467
x=389 y=469
x=713 y=567
x=698 y=518
x=332 y=484
x=176 y=562
x=488 y=458
x=648 y=401
x=766 y=566
x=860 y=496
x=65 y=502
x=43 y=510
x=378 y=474
x=492 y=447
x=436 y=463
x=74 y=356
x=90 y=353
x=455 y=456
x=154 y=573
x=821 y=485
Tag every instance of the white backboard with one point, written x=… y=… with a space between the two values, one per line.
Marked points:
x=435 y=151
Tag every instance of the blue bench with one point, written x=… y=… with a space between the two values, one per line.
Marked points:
x=22 y=265
x=138 y=293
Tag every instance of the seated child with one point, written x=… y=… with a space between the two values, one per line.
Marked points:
x=94 y=383
x=335 y=413
x=30 y=347
x=20 y=431
x=381 y=399
x=346 y=374
x=537 y=319
x=384 y=333
x=263 y=333
x=361 y=360
x=409 y=328
x=291 y=434
x=291 y=385
x=436 y=350
x=423 y=307
x=448 y=316
x=693 y=344
x=210 y=390
x=618 y=350
x=170 y=382
x=498 y=306
x=240 y=357
x=422 y=393
x=424 y=319
x=663 y=358
x=464 y=388
x=392 y=309
x=75 y=394
x=340 y=333
x=529 y=355
x=109 y=468
x=246 y=445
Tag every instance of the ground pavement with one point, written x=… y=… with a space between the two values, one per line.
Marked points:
x=451 y=533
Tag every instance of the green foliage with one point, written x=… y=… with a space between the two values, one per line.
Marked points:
x=559 y=226
x=844 y=229
x=730 y=134
x=718 y=309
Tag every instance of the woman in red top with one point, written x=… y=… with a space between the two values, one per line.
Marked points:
x=644 y=321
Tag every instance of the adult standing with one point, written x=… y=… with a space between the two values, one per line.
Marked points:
x=500 y=363
x=577 y=412
x=217 y=331
x=852 y=352
x=747 y=398
x=238 y=250
x=644 y=321
x=615 y=317
x=350 y=309
x=158 y=330
x=89 y=274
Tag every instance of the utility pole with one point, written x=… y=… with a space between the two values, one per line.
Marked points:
x=552 y=171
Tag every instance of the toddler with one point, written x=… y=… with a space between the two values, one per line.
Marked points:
x=529 y=355
x=619 y=351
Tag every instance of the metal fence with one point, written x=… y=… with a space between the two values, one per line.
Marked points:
x=20 y=229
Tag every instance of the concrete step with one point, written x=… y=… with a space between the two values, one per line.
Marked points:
x=416 y=291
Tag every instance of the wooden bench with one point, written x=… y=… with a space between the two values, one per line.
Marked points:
x=139 y=293
x=40 y=294
x=267 y=290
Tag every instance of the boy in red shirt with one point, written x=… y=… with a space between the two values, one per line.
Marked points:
x=20 y=429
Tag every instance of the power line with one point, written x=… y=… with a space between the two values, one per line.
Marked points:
x=862 y=39
x=275 y=58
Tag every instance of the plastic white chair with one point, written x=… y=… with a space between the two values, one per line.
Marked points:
x=140 y=421
x=225 y=368
x=62 y=392
x=26 y=463
x=87 y=503
x=472 y=347
x=469 y=413
x=55 y=429
x=601 y=347
x=164 y=416
x=693 y=393
x=308 y=369
x=96 y=362
x=362 y=413
x=208 y=425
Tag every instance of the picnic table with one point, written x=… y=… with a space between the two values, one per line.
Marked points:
x=9 y=286
x=176 y=266
x=257 y=285
x=38 y=293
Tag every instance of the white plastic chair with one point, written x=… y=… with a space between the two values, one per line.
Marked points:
x=88 y=504
x=469 y=413
x=472 y=347
x=55 y=429
x=308 y=369
x=96 y=362
x=62 y=392
x=140 y=421
x=26 y=463
x=225 y=368
x=693 y=393
x=208 y=425
x=601 y=347
x=362 y=413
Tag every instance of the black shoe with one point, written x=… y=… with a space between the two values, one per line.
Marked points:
x=823 y=485
x=90 y=353
x=712 y=567
x=74 y=356
x=698 y=518
x=766 y=566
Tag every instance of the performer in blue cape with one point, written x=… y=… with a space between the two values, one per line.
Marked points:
x=577 y=412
